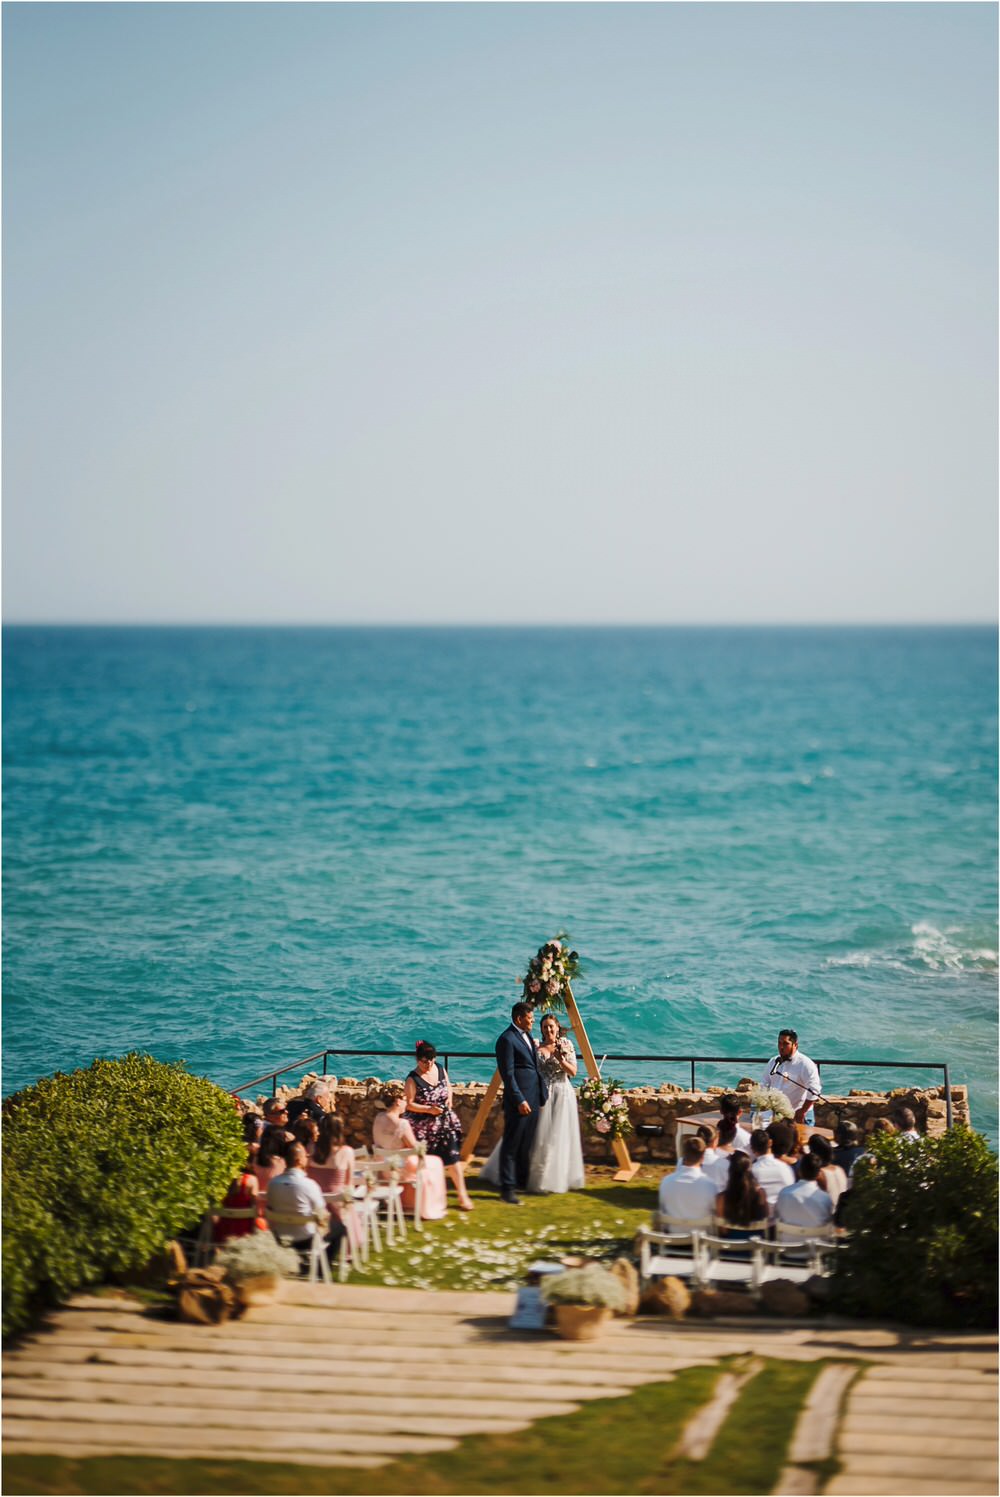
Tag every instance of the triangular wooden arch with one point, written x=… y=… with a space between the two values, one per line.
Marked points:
x=626 y=1169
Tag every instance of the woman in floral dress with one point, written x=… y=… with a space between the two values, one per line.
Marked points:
x=434 y=1122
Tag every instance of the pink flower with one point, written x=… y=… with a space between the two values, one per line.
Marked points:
x=602 y=1125
x=552 y=987
x=615 y=1099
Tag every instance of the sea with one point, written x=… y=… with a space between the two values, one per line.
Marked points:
x=237 y=846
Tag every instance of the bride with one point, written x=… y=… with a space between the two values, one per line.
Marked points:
x=556 y=1154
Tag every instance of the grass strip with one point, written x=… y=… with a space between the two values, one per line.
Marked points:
x=750 y=1449
x=610 y=1445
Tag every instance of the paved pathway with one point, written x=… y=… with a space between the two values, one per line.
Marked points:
x=376 y=1366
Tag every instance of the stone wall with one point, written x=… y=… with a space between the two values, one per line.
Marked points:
x=650 y=1108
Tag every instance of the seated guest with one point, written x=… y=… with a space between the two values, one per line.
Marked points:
x=709 y=1136
x=772 y=1175
x=276 y=1118
x=294 y=1194
x=907 y=1123
x=306 y=1133
x=832 y=1178
x=880 y=1125
x=805 y=1204
x=391 y=1131
x=314 y=1103
x=742 y=1204
x=243 y=1194
x=784 y=1141
x=253 y=1128
x=718 y=1170
x=270 y=1160
x=849 y=1146
x=731 y=1106
x=688 y=1194
x=332 y=1164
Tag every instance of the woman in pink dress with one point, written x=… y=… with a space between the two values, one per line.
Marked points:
x=392 y=1133
x=332 y=1167
x=270 y=1159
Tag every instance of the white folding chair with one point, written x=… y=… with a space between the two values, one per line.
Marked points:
x=796 y=1253
x=205 y=1245
x=385 y=1189
x=677 y=1254
x=288 y=1223
x=367 y=1208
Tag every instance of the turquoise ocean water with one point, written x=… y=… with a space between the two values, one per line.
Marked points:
x=236 y=846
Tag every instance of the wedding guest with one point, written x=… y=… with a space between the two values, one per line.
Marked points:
x=688 y=1195
x=731 y=1106
x=772 y=1175
x=709 y=1135
x=784 y=1140
x=742 y=1204
x=276 y=1118
x=391 y=1131
x=831 y=1177
x=806 y=1203
x=314 y=1103
x=866 y=1157
x=270 y=1160
x=906 y=1122
x=242 y=1195
x=431 y=1116
x=253 y=1128
x=849 y=1145
x=718 y=1170
x=332 y=1162
x=294 y=1194
x=306 y=1132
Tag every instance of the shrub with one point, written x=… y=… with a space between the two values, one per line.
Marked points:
x=256 y=1254
x=923 y=1232
x=101 y=1167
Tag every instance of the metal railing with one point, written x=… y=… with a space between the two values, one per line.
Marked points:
x=271 y=1077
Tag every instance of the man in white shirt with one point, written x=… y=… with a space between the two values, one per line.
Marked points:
x=805 y=1204
x=688 y=1195
x=772 y=1175
x=794 y=1074
x=294 y=1194
x=718 y=1170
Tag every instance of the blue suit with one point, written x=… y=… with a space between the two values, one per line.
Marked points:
x=517 y=1062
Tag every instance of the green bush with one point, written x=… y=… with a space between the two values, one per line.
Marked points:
x=101 y=1168
x=923 y=1232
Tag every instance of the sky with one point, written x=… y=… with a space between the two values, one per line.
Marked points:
x=500 y=313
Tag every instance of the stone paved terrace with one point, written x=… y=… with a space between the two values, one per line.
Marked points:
x=104 y=1378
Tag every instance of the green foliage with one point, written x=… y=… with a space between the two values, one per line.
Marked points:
x=101 y=1167
x=923 y=1232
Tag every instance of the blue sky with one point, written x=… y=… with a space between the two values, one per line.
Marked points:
x=500 y=313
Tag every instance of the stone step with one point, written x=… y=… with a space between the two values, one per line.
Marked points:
x=207 y=1412
x=904 y=1466
x=884 y=1486
x=184 y=1383
x=268 y=1442
x=160 y=1446
x=874 y=1420
x=914 y=1445
x=581 y=1381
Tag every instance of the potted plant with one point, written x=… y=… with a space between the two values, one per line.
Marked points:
x=583 y=1300
x=254 y=1266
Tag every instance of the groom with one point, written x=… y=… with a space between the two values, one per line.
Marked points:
x=524 y=1093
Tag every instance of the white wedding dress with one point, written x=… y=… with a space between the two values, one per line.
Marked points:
x=556 y=1152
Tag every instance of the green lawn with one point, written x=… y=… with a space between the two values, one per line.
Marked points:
x=613 y=1445
x=490 y=1247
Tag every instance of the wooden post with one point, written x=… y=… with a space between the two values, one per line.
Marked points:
x=626 y=1169
x=472 y=1137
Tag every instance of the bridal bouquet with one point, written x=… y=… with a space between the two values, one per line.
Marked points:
x=769 y=1099
x=550 y=972
x=604 y=1108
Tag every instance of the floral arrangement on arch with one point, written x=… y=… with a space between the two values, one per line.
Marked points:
x=549 y=974
x=603 y=1108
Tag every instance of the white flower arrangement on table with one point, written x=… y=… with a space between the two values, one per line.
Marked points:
x=603 y=1108
x=549 y=974
x=769 y=1099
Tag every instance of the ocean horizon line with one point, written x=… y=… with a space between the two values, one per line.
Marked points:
x=507 y=626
